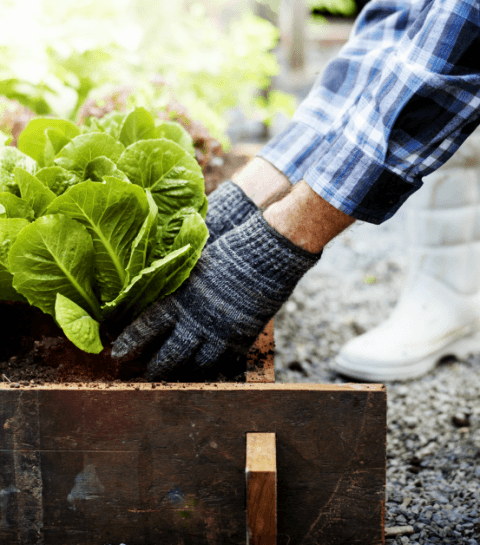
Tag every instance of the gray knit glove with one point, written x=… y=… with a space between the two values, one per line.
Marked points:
x=240 y=281
x=228 y=206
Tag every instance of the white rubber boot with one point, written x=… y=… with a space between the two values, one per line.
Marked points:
x=438 y=312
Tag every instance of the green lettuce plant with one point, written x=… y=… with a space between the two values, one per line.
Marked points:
x=99 y=221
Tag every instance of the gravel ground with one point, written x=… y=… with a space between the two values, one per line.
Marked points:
x=433 y=437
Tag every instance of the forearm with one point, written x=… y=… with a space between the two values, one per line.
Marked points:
x=296 y=212
x=307 y=219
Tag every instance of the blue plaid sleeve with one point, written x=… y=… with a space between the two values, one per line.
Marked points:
x=395 y=104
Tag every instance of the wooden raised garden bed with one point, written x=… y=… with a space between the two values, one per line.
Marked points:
x=193 y=463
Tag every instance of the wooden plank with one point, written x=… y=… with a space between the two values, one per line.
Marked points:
x=166 y=463
x=261 y=481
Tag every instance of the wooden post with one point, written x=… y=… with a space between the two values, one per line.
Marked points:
x=292 y=20
x=261 y=478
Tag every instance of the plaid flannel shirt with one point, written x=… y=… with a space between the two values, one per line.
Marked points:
x=395 y=104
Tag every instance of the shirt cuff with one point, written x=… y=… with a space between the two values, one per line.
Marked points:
x=340 y=172
x=356 y=184
x=293 y=151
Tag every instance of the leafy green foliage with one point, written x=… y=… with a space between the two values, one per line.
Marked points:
x=168 y=171
x=60 y=54
x=11 y=158
x=113 y=221
x=33 y=140
x=54 y=254
x=346 y=8
x=33 y=191
x=78 y=325
x=9 y=230
x=32 y=96
x=112 y=213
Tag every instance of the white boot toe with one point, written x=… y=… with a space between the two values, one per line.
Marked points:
x=429 y=322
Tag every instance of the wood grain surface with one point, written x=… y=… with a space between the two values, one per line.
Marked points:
x=261 y=481
x=167 y=464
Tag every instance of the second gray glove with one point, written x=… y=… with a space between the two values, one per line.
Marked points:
x=228 y=206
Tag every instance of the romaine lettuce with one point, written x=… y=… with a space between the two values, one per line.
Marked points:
x=99 y=221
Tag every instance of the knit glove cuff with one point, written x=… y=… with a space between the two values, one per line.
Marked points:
x=228 y=206
x=259 y=246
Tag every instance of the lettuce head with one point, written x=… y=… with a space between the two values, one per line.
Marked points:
x=99 y=221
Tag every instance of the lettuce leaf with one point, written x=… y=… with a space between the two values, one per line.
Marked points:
x=54 y=254
x=77 y=154
x=16 y=207
x=138 y=125
x=57 y=179
x=78 y=325
x=9 y=230
x=172 y=175
x=174 y=131
x=163 y=276
x=110 y=123
x=113 y=213
x=144 y=242
x=33 y=191
x=147 y=286
x=11 y=158
x=46 y=134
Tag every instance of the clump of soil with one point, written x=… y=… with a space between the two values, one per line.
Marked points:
x=35 y=351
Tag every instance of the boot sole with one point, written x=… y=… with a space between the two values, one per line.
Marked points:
x=408 y=370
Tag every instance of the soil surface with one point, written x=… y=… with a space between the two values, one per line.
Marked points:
x=221 y=170
x=35 y=350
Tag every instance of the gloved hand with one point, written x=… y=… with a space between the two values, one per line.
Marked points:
x=240 y=281
x=228 y=206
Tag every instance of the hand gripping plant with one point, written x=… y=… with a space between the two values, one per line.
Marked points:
x=99 y=221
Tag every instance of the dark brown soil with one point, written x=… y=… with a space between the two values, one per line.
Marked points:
x=35 y=351
x=233 y=161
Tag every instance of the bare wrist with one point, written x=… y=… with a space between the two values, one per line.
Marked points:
x=262 y=182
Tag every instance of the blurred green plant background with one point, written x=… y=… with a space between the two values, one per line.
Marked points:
x=319 y=8
x=54 y=55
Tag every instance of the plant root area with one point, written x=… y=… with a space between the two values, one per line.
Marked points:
x=35 y=351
